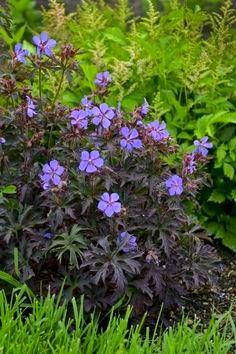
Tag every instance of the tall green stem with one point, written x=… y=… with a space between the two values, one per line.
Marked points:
x=59 y=87
x=40 y=85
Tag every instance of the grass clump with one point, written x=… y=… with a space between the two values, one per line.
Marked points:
x=45 y=326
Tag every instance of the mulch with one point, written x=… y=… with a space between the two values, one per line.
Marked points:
x=218 y=298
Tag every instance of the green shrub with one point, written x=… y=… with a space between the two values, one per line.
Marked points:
x=182 y=60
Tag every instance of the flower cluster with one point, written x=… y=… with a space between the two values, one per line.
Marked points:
x=19 y=53
x=157 y=131
x=103 y=79
x=127 y=242
x=190 y=164
x=79 y=118
x=90 y=161
x=87 y=105
x=30 y=107
x=109 y=204
x=44 y=44
x=202 y=146
x=130 y=139
x=102 y=115
x=174 y=185
x=144 y=108
x=52 y=173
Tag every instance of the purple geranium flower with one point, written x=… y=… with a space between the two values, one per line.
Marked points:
x=127 y=242
x=52 y=174
x=88 y=105
x=158 y=130
x=103 y=115
x=79 y=118
x=90 y=162
x=130 y=140
x=44 y=44
x=174 y=185
x=19 y=53
x=103 y=79
x=202 y=146
x=2 y=141
x=144 y=108
x=30 y=108
x=109 y=204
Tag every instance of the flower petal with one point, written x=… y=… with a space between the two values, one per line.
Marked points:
x=96 y=120
x=36 y=40
x=56 y=180
x=48 y=51
x=54 y=164
x=114 y=197
x=47 y=168
x=98 y=162
x=94 y=154
x=96 y=111
x=18 y=47
x=123 y=143
x=44 y=36
x=105 y=197
x=137 y=143
x=125 y=131
x=109 y=114
x=83 y=165
x=109 y=211
x=129 y=147
x=45 y=178
x=106 y=123
x=116 y=207
x=60 y=170
x=133 y=134
x=103 y=107
x=85 y=155
x=102 y=205
x=74 y=113
x=91 y=168
x=51 y=43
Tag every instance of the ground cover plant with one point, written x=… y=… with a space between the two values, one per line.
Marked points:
x=182 y=61
x=45 y=326
x=92 y=196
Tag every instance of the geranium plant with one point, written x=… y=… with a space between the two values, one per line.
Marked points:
x=101 y=195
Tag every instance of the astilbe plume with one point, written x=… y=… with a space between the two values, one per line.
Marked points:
x=97 y=202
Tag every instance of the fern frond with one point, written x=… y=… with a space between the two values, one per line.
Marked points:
x=221 y=25
x=98 y=53
x=123 y=12
x=151 y=20
x=55 y=19
x=159 y=107
x=90 y=16
x=121 y=74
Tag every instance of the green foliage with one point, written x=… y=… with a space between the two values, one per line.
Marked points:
x=24 y=289
x=18 y=20
x=72 y=242
x=46 y=326
x=182 y=60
